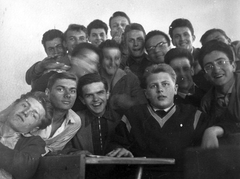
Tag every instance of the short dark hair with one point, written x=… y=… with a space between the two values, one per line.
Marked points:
x=97 y=24
x=211 y=31
x=119 y=13
x=80 y=47
x=109 y=44
x=215 y=45
x=88 y=79
x=181 y=22
x=75 y=27
x=64 y=75
x=157 y=32
x=50 y=35
x=42 y=98
x=134 y=26
x=157 y=68
x=178 y=53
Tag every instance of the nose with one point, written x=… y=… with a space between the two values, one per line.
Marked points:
x=135 y=43
x=26 y=112
x=95 y=97
x=67 y=94
x=159 y=89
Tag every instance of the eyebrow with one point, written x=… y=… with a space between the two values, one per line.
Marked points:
x=34 y=110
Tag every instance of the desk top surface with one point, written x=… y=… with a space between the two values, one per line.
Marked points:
x=128 y=160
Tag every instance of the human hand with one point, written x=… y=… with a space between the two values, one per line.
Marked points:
x=118 y=35
x=120 y=152
x=210 y=137
x=49 y=63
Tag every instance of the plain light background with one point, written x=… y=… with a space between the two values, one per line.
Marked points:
x=22 y=23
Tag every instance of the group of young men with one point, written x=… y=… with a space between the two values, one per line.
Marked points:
x=130 y=96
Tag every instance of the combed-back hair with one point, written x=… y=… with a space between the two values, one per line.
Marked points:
x=157 y=32
x=178 y=53
x=97 y=24
x=119 y=13
x=88 y=79
x=50 y=35
x=181 y=22
x=157 y=68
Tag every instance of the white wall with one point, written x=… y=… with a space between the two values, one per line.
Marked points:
x=22 y=23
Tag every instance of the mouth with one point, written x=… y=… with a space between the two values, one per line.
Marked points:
x=66 y=102
x=161 y=97
x=20 y=117
x=217 y=76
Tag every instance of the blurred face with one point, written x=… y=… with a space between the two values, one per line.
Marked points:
x=111 y=60
x=95 y=98
x=217 y=36
x=184 y=73
x=87 y=61
x=157 y=47
x=183 y=38
x=26 y=115
x=73 y=38
x=54 y=48
x=135 y=41
x=97 y=36
x=219 y=69
x=160 y=90
x=63 y=94
x=117 y=26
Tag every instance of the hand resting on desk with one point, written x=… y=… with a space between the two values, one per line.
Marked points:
x=120 y=152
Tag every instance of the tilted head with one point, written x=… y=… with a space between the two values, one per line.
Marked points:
x=159 y=82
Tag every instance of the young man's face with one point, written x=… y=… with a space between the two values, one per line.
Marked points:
x=160 y=90
x=117 y=26
x=95 y=97
x=87 y=61
x=111 y=60
x=183 y=38
x=217 y=36
x=218 y=68
x=97 y=36
x=26 y=115
x=184 y=71
x=54 y=48
x=73 y=38
x=157 y=47
x=63 y=94
x=135 y=42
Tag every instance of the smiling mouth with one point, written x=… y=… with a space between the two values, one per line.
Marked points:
x=20 y=117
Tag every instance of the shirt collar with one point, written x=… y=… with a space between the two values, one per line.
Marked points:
x=166 y=109
x=90 y=117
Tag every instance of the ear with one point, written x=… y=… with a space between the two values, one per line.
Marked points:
x=192 y=71
x=146 y=93
x=82 y=100
x=111 y=33
x=108 y=94
x=173 y=43
x=234 y=66
x=193 y=38
x=47 y=92
x=175 y=89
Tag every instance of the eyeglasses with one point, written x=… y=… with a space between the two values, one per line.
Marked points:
x=219 y=63
x=159 y=45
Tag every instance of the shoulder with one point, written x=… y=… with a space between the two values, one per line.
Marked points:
x=32 y=140
x=73 y=116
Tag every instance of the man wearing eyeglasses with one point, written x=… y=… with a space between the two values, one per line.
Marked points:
x=223 y=100
x=216 y=58
x=157 y=44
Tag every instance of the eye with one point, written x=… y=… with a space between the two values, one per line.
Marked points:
x=59 y=89
x=165 y=84
x=152 y=86
x=73 y=91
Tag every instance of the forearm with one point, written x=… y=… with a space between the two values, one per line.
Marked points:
x=33 y=73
